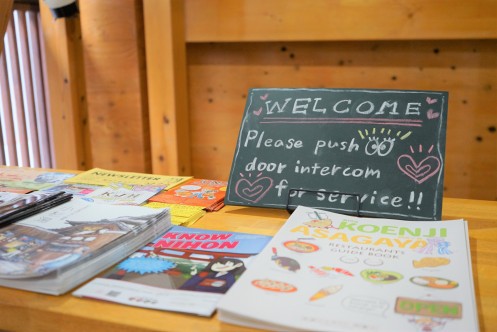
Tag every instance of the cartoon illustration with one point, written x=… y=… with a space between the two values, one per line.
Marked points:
x=324 y=292
x=380 y=277
x=286 y=263
x=190 y=259
x=274 y=285
x=144 y=265
x=381 y=146
x=320 y=220
x=434 y=282
x=191 y=191
x=216 y=277
x=430 y=262
x=328 y=271
x=438 y=244
x=195 y=192
x=428 y=324
x=337 y=271
x=300 y=246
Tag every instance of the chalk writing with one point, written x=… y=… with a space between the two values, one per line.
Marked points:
x=384 y=146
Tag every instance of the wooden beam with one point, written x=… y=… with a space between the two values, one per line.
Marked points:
x=116 y=87
x=67 y=104
x=324 y=20
x=167 y=87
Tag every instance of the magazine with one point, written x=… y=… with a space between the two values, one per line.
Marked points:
x=186 y=270
x=58 y=249
x=324 y=271
x=15 y=207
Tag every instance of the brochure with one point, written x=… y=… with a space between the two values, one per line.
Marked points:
x=195 y=192
x=324 y=271
x=186 y=270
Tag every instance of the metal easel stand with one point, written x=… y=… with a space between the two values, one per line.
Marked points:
x=292 y=190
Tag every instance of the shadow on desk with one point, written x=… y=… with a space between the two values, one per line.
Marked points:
x=259 y=211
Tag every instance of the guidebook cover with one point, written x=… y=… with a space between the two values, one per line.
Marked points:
x=186 y=270
x=329 y=272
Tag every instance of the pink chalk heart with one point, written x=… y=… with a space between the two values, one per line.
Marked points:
x=253 y=191
x=419 y=172
x=264 y=97
x=258 y=112
x=432 y=114
x=431 y=100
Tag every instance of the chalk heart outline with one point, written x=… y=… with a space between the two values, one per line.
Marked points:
x=258 y=112
x=431 y=100
x=431 y=114
x=419 y=172
x=253 y=191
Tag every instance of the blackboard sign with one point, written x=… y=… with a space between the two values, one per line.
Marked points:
x=379 y=152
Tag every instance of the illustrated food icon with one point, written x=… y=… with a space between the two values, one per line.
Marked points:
x=324 y=292
x=274 y=285
x=300 y=246
x=434 y=282
x=430 y=262
x=286 y=263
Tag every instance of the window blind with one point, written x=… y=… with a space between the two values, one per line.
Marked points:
x=24 y=117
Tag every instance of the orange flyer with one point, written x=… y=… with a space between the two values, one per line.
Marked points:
x=196 y=192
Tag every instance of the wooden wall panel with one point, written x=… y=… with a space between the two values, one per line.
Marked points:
x=196 y=96
x=220 y=75
x=168 y=97
x=324 y=20
x=114 y=56
x=66 y=90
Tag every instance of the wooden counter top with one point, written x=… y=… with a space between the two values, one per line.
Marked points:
x=22 y=310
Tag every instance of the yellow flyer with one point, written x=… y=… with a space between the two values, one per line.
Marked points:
x=181 y=215
x=102 y=177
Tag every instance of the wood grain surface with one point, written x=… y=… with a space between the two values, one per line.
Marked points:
x=26 y=311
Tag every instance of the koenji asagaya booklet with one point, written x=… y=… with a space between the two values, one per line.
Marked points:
x=324 y=271
x=186 y=270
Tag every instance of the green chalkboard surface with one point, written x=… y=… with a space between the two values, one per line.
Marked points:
x=377 y=152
